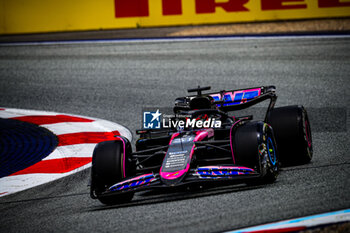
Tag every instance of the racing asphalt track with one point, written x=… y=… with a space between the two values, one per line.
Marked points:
x=114 y=81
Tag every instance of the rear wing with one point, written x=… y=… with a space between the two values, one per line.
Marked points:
x=242 y=98
x=236 y=96
x=232 y=100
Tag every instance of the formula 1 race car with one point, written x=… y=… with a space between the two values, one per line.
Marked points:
x=194 y=150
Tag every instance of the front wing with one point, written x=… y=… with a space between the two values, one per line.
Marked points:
x=200 y=174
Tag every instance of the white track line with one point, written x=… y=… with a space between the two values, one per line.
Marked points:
x=307 y=222
x=175 y=39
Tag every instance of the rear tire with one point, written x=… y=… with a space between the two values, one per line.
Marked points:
x=109 y=166
x=255 y=147
x=292 y=130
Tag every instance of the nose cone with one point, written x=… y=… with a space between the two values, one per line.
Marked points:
x=177 y=160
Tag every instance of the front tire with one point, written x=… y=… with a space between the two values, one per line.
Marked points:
x=255 y=147
x=109 y=166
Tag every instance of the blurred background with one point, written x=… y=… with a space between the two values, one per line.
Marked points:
x=41 y=20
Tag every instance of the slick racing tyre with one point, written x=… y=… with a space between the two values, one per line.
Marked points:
x=292 y=130
x=255 y=147
x=109 y=166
